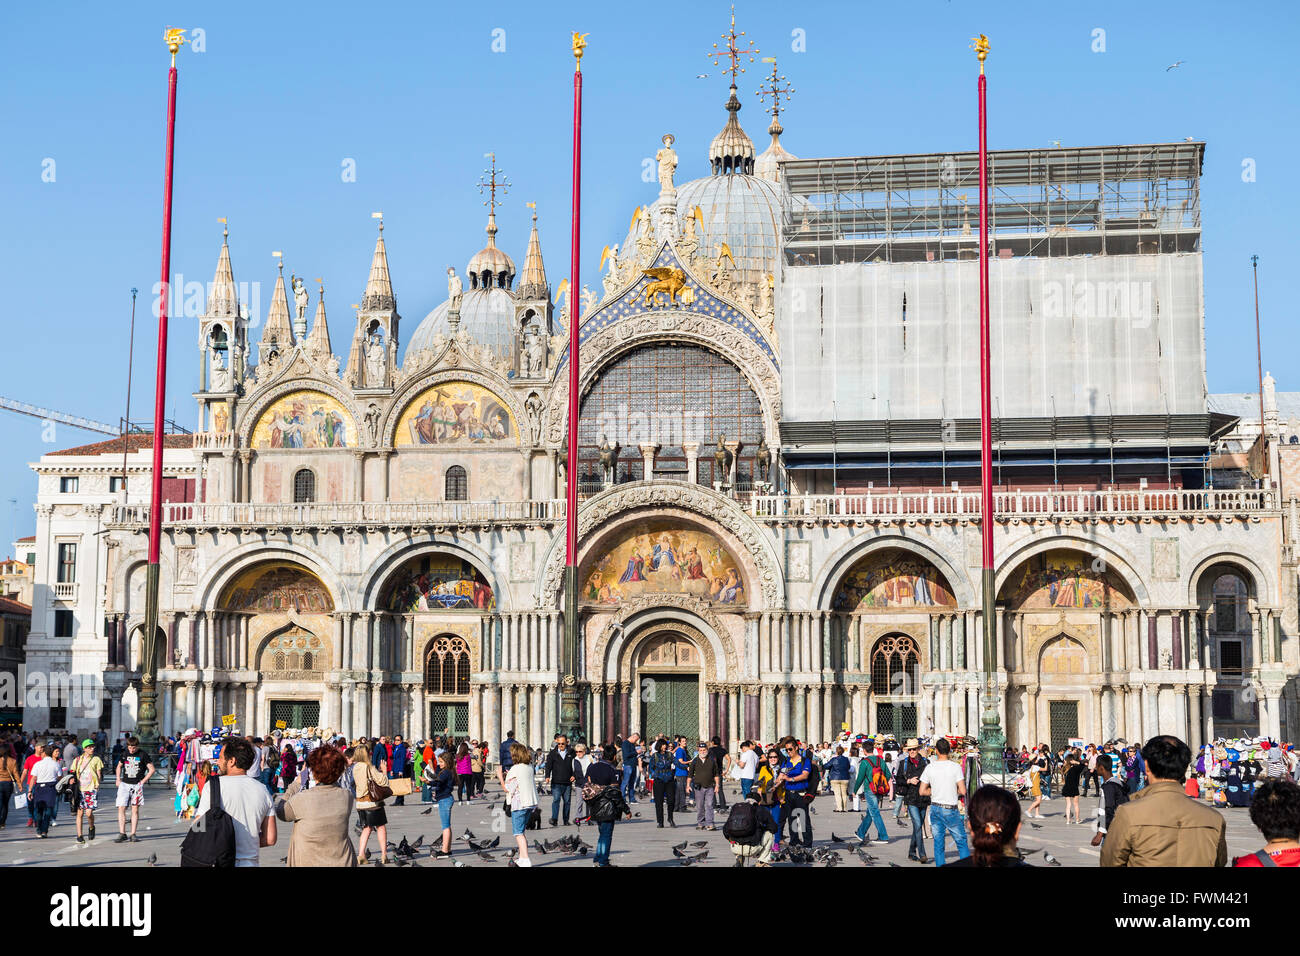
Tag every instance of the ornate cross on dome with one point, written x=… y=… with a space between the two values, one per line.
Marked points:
x=732 y=52
x=774 y=90
x=491 y=183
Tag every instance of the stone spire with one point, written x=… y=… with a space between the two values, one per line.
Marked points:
x=532 y=282
x=223 y=299
x=318 y=340
x=278 y=329
x=379 y=287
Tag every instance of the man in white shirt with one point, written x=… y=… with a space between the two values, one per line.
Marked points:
x=943 y=783
x=748 y=767
x=245 y=799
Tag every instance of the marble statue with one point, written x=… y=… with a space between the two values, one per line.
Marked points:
x=646 y=245
x=611 y=278
x=372 y=423
x=764 y=459
x=667 y=166
x=533 y=408
x=689 y=242
x=219 y=375
x=299 y=296
x=455 y=289
x=536 y=355
x=375 y=362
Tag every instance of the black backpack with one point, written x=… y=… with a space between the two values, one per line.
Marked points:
x=211 y=838
x=742 y=822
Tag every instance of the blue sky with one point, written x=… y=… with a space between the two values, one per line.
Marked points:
x=415 y=94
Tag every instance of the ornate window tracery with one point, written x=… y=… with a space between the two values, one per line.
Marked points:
x=447 y=668
x=895 y=666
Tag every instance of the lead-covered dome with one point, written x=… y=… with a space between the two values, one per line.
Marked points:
x=486 y=314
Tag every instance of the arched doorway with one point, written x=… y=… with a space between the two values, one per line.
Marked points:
x=1062 y=682
x=895 y=684
x=292 y=664
x=668 y=668
x=446 y=685
x=1227 y=609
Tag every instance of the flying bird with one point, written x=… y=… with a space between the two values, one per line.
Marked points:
x=1175 y=64
x=701 y=76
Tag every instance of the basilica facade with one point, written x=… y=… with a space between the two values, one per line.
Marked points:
x=377 y=545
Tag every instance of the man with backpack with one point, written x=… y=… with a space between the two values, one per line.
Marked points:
x=751 y=831
x=797 y=776
x=240 y=798
x=1113 y=795
x=872 y=782
x=88 y=770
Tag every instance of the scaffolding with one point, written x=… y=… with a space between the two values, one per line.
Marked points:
x=1057 y=201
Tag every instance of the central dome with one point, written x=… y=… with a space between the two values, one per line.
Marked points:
x=487 y=314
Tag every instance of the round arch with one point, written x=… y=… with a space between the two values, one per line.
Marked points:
x=214 y=583
x=416 y=386
x=307 y=655
x=671 y=327
x=395 y=556
x=1121 y=564
x=848 y=555
x=262 y=403
x=1258 y=583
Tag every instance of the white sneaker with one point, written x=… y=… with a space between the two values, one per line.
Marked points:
x=523 y=862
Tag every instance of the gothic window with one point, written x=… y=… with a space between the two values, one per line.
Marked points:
x=447 y=667
x=457 y=484
x=895 y=662
x=667 y=394
x=304 y=485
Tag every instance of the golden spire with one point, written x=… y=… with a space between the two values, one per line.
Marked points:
x=174 y=37
x=579 y=44
x=980 y=45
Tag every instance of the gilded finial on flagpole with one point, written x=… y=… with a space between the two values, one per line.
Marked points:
x=174 y=37
x=980 y=45
x=579 y=43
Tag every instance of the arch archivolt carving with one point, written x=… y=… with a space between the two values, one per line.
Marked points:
x=1258 y=585
x=657 y=613
x=727 y=519
x=672 y=327
x=857 y=548
x=918 y=629
x=1041 y=635
x=1116 y=560
x=632 y=650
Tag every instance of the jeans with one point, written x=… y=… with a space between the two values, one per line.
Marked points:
x=703 y=806
x=604 y=841
x=720 y=799
x=746 y=785
x=872 y=816
x=444 y=812
x=664 y=792
x=426 y=794
x=916 y=849
x=679 y=792
x=519 y=821
x=560 y=791
x=43 y=812
x=800 y=821
x=6 y=794
x=946 y=821
x=629 y=783
x=268 y=780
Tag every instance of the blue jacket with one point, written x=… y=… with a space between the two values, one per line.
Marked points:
x=397 y=766
x=506 y=762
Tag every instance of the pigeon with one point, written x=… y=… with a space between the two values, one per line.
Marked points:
x=1036 y=826
x=892 y=863
x=686 y=861
x=537 y=845
x=681 y=846
x=458 y=863
x=1030 y=850
x=700 y=843
x=419 y=842
x=1051 y=859
x=425 y=813
x=467 y=835
x=153 y=859
x=486 y=856
x=495 y=842
x=399 y=861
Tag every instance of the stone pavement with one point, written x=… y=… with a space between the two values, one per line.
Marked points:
x=637 y=842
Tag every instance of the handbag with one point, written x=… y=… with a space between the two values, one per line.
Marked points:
x=376 y=792
x=400 y=786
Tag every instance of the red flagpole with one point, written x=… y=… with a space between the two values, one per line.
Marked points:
x=991 y=738
x=146 y=716
x=570 y=715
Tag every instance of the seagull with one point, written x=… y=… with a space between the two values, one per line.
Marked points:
x=701 y=76
x=1176 y=63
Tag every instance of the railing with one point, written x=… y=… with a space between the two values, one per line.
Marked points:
x=65 y=591
x=224 y=439
x=342 y=514
x=1025 y=504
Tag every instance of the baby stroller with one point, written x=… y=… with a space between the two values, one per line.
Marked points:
x=1019 y=785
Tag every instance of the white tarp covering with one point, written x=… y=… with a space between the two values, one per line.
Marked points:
x=1120 y=335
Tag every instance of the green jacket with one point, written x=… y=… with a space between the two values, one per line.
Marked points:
x=862 y=783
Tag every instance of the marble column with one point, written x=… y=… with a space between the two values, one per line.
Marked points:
x=648 y=450
x=1096 y=716
x=814 y=711
x=1031 y=714
x=692 y=449
x=347 y=694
